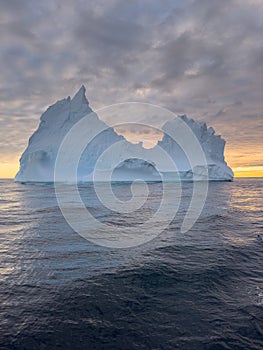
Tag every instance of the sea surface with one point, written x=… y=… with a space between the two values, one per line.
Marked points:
x=199 y=290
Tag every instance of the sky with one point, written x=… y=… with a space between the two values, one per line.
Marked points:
x=202 y=58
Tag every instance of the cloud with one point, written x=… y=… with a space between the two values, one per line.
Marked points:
x=199 y=57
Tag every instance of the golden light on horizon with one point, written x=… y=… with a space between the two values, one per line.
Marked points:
x=249 y=171
x=240 y=160
x=9 y=170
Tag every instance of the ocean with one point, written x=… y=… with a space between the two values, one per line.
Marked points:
x=202 y=289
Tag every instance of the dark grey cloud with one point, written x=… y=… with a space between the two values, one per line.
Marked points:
x=199 y=57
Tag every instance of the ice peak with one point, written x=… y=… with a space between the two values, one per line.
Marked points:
x=38 y=162
x=80 y=97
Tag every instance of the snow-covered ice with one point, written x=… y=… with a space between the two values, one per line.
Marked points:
x=128 y=161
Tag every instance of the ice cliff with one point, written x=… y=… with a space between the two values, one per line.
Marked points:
x=38 y=160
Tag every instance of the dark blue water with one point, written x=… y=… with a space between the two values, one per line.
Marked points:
x=199 y=290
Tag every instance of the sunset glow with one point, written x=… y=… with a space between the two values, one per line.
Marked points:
x=172 y=54
x=9 y=169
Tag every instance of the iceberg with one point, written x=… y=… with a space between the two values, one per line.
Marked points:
x=128 y=161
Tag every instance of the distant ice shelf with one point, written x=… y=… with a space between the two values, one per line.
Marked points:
x=37 y=163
